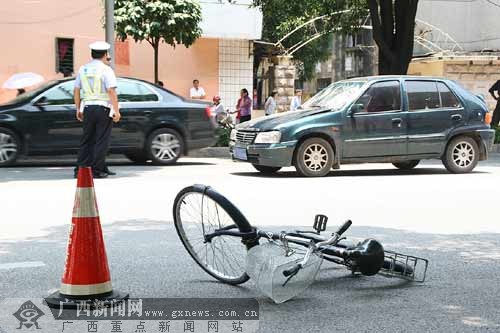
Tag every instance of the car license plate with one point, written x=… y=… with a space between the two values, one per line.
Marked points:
x=240 y=153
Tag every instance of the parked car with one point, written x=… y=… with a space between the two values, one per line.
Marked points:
x=394 y=119
x=156 y=124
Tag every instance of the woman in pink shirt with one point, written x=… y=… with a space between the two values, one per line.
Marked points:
x=244 y=107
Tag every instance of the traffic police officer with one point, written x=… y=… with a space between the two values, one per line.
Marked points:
x=97 y=107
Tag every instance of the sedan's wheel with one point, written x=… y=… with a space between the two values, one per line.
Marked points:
x=9 y=147
x=314 y=158
x=462 y=155
x=165 y=146
x=266 y=169
x=406 y=165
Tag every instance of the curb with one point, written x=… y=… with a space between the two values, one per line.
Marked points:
x=217 y=152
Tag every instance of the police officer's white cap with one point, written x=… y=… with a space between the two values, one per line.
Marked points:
x=99 y=46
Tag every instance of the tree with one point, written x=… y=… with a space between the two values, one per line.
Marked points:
x=170 y=21
x=393 y=30
x=282 y=16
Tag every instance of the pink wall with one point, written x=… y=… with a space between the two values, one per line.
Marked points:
x=177 y=67
x=28 y=30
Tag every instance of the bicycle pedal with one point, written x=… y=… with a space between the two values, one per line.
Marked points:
x=320 y=223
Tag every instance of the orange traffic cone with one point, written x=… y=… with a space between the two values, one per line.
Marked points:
x=86 y=273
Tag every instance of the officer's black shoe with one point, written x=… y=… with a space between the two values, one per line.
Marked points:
x=109 y=172
x=100 y=175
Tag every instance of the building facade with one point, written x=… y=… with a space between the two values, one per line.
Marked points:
x=51 y=37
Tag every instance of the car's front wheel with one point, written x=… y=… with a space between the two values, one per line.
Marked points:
x=165 y=146
x=406 y=165
x=266 y=169
x=314 y=158
x=462 y=155
x=9 y=147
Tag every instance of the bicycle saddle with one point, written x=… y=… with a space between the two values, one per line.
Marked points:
x=368 y=256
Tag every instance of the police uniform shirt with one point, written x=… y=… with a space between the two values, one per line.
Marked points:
x=108 y=78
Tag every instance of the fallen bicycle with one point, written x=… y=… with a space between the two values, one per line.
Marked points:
x=222 y=242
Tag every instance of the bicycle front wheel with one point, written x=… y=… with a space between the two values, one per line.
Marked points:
x=199 y=210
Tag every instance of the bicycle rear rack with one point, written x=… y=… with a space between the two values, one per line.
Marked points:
x=418 y=266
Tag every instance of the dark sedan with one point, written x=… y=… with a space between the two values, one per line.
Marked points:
x=156 y=124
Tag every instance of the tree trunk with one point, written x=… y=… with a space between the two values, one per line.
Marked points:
x=393 y=30
x=156 y=47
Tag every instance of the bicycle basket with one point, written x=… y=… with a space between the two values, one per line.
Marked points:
x=265 y=266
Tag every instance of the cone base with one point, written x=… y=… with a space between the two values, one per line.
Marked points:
x=60 y=301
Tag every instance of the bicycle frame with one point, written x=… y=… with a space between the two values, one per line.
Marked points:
x=333 y=252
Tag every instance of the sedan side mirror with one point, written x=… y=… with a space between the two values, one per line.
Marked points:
x=356 y=108
x=42 y=101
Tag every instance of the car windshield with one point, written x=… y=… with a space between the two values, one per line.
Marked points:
x=335 y=96
x=29 y=95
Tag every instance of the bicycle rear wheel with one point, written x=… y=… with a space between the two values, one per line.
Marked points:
x=199 y=210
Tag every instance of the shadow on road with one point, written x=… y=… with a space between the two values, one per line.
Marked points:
x=60 y=170
x=356 y=173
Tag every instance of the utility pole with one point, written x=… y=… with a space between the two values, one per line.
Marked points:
x=110 y=28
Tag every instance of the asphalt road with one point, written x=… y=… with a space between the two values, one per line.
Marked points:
x=449 y=219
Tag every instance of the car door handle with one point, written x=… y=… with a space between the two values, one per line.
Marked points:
x=456 y=117
x=147 y=112
x=397 y=121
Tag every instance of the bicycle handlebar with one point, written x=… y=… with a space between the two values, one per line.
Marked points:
x=343 y=228
x=292 y=271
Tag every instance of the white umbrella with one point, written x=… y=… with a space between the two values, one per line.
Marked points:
x=22 y=80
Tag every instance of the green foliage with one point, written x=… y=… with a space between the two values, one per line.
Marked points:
x=223 y=136
x=283 y=16
x=171 y=21
x=497 y=134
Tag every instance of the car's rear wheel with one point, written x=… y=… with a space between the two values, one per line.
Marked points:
x=9 y=147
x=165 y=146
x=314 y=158
x=406 y=165
x=137 y=156
x=266 y=169
x=462 y=155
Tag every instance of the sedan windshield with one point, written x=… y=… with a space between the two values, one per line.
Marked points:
x=335 y=96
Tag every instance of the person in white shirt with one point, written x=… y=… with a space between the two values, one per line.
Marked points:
x=196 y=91
x=296 y=100
x=270 y=105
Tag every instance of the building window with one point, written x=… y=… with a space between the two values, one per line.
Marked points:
x=64 y=56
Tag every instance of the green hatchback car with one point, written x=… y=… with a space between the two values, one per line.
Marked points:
x=394 y=119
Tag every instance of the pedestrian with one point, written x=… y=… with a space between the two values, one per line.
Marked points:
x=159 y=83
x=255 y=99
x=496 y=114
x=270 y=105
x=197 y=92
x=296 y=100
x=97 y=107
x=218 y=107
x=244 y=106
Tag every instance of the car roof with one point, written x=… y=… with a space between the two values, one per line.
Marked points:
x=395 y=77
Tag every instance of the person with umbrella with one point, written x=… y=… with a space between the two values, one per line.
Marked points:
x=20 y=81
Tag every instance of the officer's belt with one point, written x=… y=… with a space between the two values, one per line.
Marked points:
x=101 y=103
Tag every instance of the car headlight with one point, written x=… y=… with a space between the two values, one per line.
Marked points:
x=268 y=137
x=232 y=136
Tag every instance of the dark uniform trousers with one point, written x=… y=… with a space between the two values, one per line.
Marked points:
x=496 y=115
x=94 y=143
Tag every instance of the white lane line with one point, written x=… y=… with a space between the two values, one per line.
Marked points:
x=23 y=264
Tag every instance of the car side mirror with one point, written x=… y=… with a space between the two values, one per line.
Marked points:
x=42 y=101
x=356 y=108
